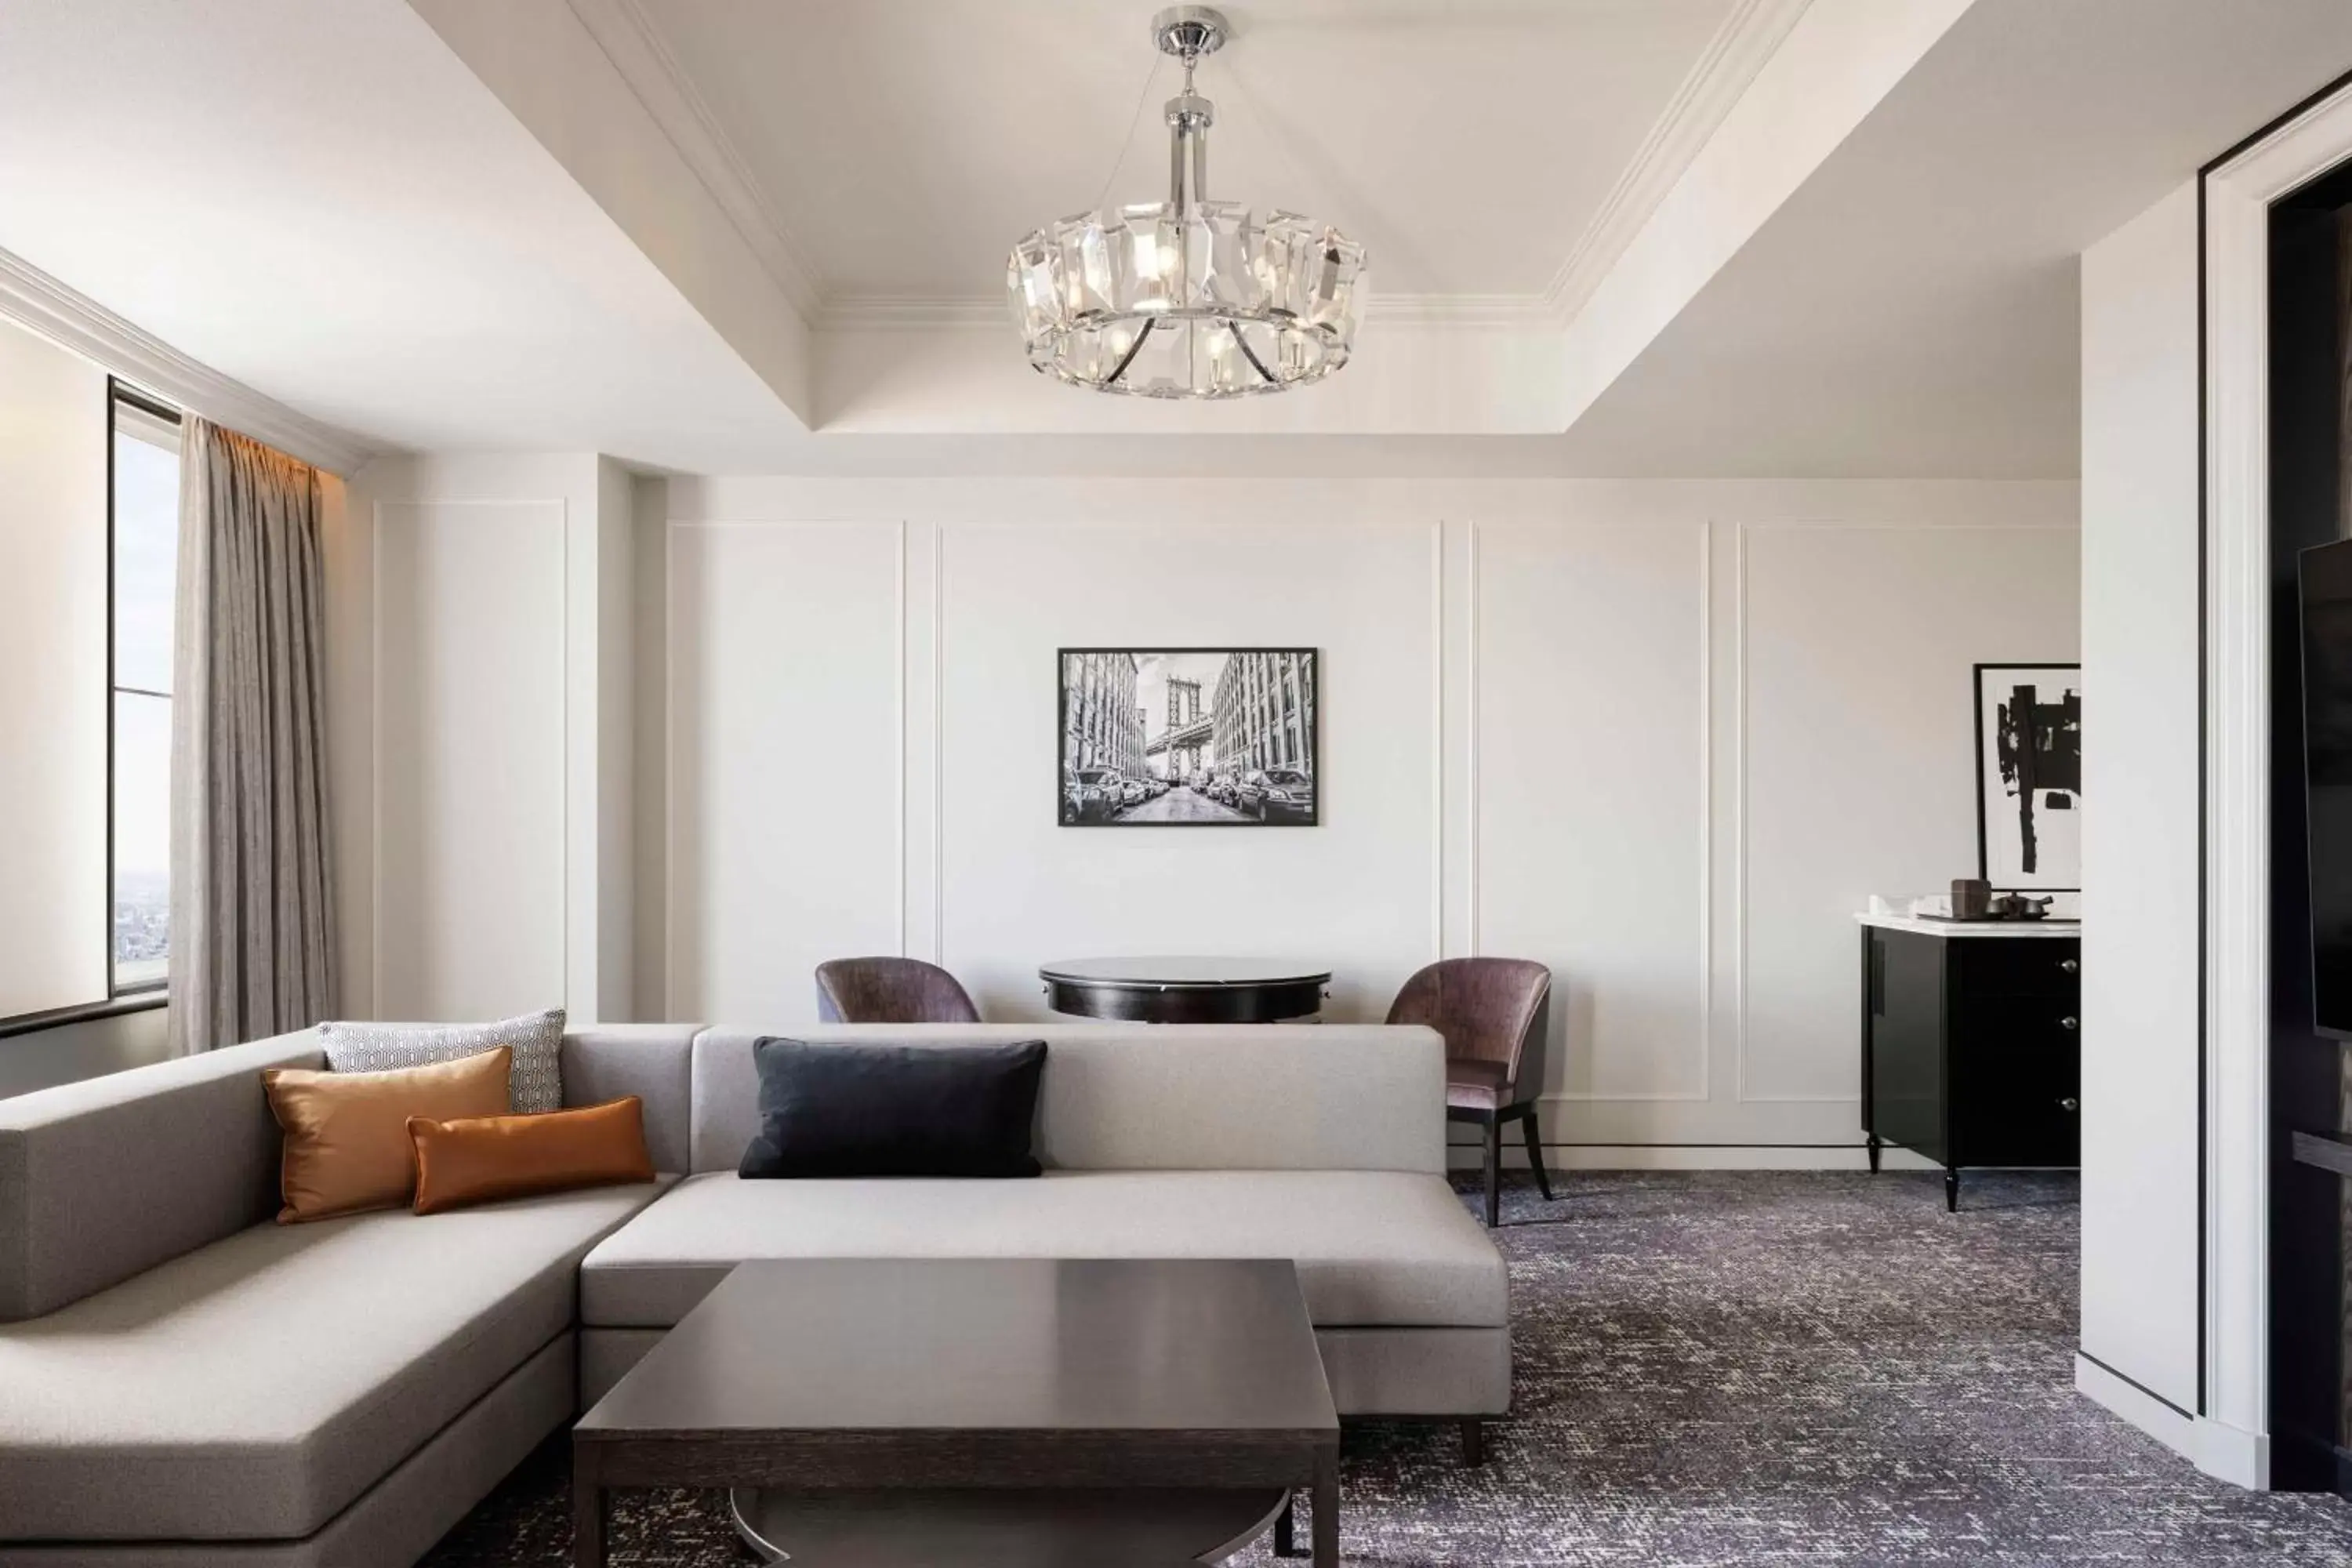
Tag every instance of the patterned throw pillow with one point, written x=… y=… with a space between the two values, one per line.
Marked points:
x=536 y=1039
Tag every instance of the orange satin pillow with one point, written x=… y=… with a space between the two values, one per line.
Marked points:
x=347 y=1146
x=480 y=1160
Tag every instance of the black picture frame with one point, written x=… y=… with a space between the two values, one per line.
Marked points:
x=1978 y=761
x=1066 y=767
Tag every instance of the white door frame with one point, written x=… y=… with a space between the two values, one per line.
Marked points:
x=2237 y=193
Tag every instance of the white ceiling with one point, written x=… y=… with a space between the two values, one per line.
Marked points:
x=573 y=224
x=317 y=198
x=903 y=145
x=1912 y=310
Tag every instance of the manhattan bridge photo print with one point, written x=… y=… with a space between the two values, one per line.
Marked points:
x=1188 y=737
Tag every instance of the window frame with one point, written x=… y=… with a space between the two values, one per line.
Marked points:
x=121 y=998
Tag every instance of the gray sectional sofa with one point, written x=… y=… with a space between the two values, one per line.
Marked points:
x=182 y=1381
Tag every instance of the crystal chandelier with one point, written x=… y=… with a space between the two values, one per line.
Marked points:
x=1187 y=298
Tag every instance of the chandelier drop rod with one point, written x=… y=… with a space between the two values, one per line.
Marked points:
x=1189 y=118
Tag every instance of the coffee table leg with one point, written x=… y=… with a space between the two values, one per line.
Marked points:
x=1286 y=1525
x=587 y=1515
x=1326 y=1522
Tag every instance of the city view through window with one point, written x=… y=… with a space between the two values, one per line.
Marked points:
x=146 y=554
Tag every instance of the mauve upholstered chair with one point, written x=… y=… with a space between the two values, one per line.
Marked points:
x=1495 y=1014
x=891 y=990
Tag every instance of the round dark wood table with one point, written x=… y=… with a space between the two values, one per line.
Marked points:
x=1185 y=990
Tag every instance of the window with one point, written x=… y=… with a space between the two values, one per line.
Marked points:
x=145 y=500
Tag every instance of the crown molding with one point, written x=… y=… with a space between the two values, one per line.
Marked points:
x=912 y=313
x=627 y=35
x=39 y=303
x=1748 y=36
x=1514 y=311
x=907 y=312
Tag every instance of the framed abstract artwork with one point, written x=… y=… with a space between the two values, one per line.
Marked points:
x=2030 y=776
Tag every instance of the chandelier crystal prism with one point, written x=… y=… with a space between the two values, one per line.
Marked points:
x=1187 y=298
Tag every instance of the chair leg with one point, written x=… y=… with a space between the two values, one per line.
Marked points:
x=1493 y=1173
x=1285 y=1529
x=1474 y=1442
x=1535 y=1152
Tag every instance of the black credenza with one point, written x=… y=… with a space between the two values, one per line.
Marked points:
x=1971 y=1045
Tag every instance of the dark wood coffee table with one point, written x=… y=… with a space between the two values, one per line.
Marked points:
x=1054 y=1378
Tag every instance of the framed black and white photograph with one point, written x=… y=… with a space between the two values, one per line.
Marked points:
x=2030 y=776
x=1188 y=737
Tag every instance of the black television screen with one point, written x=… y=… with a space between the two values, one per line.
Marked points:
x=2326 y=575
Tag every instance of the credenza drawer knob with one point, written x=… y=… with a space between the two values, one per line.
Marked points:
x=2071 y=1103
x=2069 y=966
x=2070 y=1022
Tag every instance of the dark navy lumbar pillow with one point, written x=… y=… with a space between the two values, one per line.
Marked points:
x=895 y=1110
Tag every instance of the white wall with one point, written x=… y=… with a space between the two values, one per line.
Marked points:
x=1665 y=737
x=54 y=456
x=481 y=736
x=2141 y=954
x=1857 y=728
x=87 y=1047
x=470 y=774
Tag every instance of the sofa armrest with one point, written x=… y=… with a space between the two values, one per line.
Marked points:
x=105 y=1179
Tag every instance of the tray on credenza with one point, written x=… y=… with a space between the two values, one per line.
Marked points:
x=2000 y=920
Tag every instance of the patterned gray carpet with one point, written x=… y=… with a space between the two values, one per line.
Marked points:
x=1724 y=1368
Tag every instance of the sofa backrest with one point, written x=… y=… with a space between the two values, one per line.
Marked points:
x=1179 y=1097
x=106 y=1178
x=653 y=1061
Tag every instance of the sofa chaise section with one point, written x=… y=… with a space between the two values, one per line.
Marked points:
x=254 y=1388
x=198 y=1385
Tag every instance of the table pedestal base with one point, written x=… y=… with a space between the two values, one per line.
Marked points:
x=1134 y=1528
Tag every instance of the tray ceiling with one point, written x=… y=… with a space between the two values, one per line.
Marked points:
x=1689 y=237
x=902 y=145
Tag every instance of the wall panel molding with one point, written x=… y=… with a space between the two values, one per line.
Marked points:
x=1437 y=753
x=1015 y=586
x=940 y=747
x=1001 y=574
x=1701 y=1045
x=1474 y=804
x=381 y=512
x=675 y=529
x=899 y=764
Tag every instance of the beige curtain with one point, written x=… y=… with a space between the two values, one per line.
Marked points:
x=252 y=914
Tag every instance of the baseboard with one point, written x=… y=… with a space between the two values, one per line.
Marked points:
x=2230 y=1453
x=2222 y=1451
x=2168 y=1424
x=1696 y=1157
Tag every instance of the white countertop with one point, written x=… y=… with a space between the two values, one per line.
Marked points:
x=1925 y=927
